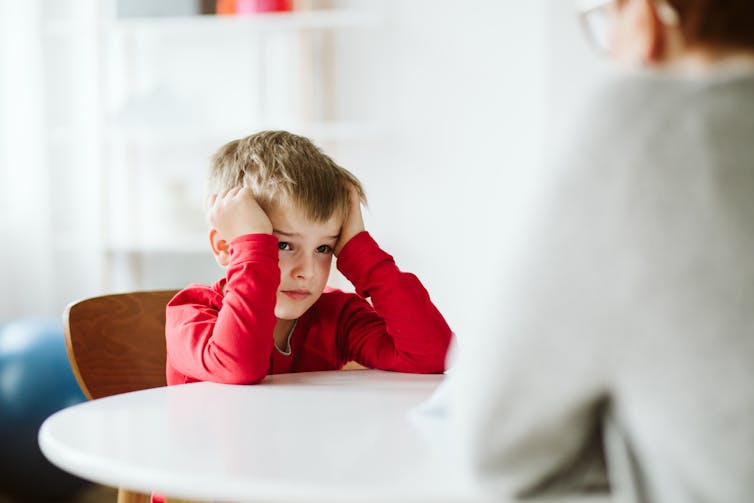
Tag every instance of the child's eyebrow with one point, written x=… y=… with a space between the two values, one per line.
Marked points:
x=296 y=234
x=287 y=234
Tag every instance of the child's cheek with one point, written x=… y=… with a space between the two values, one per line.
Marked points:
x=284 y=263
x=324 y=265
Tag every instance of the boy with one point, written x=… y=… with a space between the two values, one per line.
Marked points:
x=279 y=210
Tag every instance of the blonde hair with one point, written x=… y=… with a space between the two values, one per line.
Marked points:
x=283 y=168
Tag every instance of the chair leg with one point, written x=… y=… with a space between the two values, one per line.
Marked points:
x=126 y=496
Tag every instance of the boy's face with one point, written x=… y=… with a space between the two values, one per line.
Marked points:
x=305 y=257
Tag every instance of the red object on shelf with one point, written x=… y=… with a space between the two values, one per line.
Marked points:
x=232 y=7
x=226 y=7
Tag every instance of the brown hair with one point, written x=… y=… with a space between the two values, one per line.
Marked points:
x=721 y=24
x=281 y=167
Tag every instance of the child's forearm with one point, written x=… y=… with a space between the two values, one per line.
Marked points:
x=416 y=332
x=246 y=322
x=232 y=342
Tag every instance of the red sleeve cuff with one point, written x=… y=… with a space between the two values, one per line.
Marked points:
x=358 y=258
x=254 y=248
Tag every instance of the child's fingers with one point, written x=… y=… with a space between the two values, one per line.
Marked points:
x=223 y=194
x=243 y=192
x=354 y=199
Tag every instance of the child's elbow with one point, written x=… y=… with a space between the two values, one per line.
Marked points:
x=432 y=367
x=226 y=367
x=435 y=362
x=427 y=364
x=239 y=375
x=242 y=380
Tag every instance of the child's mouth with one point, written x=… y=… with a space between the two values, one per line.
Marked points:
x=297 y=294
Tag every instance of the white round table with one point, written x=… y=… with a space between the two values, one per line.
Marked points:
x=308 y=437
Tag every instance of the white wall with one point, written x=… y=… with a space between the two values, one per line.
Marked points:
x=474 y=98
x=460 y=90
x=575 y=68
x=24 y=223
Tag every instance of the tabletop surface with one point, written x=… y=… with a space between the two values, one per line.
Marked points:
x=315 y=436
x=352 y=436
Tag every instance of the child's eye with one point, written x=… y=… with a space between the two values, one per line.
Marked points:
x=325 y=249
x=282 y=245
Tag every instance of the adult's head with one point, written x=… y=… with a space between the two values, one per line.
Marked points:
x=676 y=33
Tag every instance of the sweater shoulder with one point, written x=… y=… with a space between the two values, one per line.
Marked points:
x=335 y=298
x=333 y=303
x=199 y=294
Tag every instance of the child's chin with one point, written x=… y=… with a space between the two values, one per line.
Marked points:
x=285 y=309
x=289 y=314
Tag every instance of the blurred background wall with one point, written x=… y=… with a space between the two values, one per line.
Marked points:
x=110 y=110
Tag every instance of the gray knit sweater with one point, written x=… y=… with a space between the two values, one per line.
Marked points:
x=626 y=334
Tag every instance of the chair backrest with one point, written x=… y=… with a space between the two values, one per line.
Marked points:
x=116 y=343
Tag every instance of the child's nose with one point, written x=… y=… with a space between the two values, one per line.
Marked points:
x=304 y=266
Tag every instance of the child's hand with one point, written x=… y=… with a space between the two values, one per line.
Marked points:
x=354 y=222
x=235 y=212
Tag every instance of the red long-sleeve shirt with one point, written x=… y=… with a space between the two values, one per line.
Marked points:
x=228 y=337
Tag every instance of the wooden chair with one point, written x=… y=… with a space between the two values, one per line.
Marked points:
x=116 y=344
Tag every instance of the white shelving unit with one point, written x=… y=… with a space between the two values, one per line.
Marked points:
x=174 y=90
x=269 y=22
x=136 y=107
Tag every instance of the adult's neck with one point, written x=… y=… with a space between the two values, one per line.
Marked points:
x=703 y=60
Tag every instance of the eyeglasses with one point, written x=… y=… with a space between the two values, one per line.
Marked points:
x=596 y=19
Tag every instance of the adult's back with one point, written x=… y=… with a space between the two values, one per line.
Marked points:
x=679 y=351
x=626 y=343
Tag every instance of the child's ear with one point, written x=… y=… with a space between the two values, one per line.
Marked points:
x=220 y=248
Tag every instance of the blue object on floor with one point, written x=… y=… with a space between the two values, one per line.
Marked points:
x=36 y=380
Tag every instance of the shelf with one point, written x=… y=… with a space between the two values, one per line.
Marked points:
x=179 y=245
x=279 y=21
x=191 y=25
x=193 y=242
x=317 y=131
x=159 y=121
x=182 y=135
